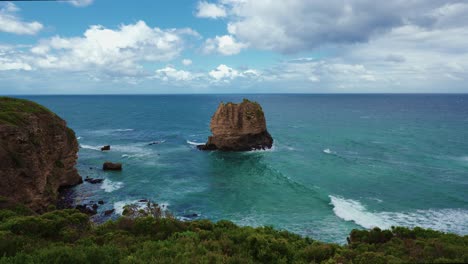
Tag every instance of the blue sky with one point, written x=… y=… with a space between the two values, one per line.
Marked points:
x=233 y=46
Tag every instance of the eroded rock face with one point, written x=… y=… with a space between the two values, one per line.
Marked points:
x=238 y=127
x=38 y=154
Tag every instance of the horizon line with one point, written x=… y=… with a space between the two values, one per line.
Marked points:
x=138 y=94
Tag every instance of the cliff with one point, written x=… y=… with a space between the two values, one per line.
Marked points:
x=37 y=153
x=238 y=127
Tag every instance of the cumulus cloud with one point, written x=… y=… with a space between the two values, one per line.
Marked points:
x=11 y=23
x=171 y=74
x=226 y=73
x=210 y=10
x=186 y=62
x=80 y=3
x=119 y=50
x=225 y=45
x=301 y=25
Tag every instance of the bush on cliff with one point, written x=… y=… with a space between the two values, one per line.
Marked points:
x=67 y=236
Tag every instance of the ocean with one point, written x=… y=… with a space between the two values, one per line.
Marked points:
x=339 y=162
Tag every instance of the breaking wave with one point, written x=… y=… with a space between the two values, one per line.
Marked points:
x=446 y=220
x=194 y=143
x=90 y=147
x=110 y=186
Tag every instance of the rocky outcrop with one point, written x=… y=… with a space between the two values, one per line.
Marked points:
x=238 y=127
x=112 y=166
x=38 y=154
x=105 y=148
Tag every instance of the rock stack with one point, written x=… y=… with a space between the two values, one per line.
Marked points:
x=238 y=127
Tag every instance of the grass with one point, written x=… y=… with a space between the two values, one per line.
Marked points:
x=14 y=111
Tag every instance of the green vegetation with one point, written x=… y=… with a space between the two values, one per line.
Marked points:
x=67 y=236
x=13 y=111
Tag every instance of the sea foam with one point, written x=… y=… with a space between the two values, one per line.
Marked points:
x=328 y=151
x=446 y=220
x=110 y=186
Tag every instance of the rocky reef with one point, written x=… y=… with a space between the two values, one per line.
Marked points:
x=238 y=127
x=38 y=154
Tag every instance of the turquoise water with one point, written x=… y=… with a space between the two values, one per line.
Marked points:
x=339 y=161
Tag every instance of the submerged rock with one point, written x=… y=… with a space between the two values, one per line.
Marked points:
x=238 y=127
x=112 y=166
x=38 y=153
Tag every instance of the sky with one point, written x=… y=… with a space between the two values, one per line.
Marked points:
x=233 y=46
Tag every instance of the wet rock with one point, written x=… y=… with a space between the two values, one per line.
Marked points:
x=109 y=212
x=87 y=208
x=191 y=215
x=105 y=148
x=101 y=202
x=112 y=166
x=93 y=181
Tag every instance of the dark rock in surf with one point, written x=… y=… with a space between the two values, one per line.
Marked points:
x=105 y=148
x=109 y=166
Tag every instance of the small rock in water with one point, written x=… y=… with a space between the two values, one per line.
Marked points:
x=105 y=148
x=100 y=202
x=112 y=166
x=143 y=201
x=93 y=181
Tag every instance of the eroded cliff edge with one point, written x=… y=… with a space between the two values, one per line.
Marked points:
x=38 y=154
x=238 y=127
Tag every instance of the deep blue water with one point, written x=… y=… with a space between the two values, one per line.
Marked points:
x=339 y=161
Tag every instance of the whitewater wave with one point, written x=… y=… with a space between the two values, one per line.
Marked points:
x=446 y=220
x=90 y=147
x=110 y=186
x=124 y=129
x=78 y=138
x=193 y=143
x=328 y=151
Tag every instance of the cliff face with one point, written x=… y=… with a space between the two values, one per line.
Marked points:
x=238 y=127
x=37 y=153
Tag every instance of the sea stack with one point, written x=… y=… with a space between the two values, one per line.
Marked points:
x=238 y=127
x=38 y=154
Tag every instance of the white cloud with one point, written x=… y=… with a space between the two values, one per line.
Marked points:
x=225 y=45
x=223 y=72
x=7 y=64
x=80 y=3
x=112 y=51
x=171 y=74
x=210 y=10
x=304 y=25
x=11 y=23
x=186 y=62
